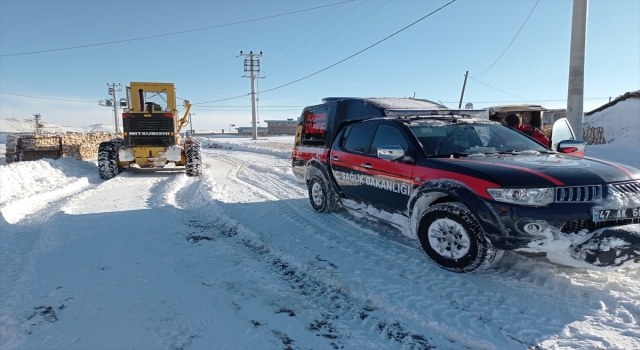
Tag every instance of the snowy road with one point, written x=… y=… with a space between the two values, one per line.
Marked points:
x=238 y=259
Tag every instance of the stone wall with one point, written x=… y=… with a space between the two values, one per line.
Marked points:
x=594 y=135
x=82 y=146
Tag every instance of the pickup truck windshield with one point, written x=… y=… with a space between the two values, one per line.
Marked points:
x=443 y=139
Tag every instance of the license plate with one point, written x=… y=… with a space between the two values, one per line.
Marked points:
x=615 y=214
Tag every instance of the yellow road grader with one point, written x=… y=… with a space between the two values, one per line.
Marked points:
x=151 y=133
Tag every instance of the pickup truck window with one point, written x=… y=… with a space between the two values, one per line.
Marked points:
x=359 y=138
x=387 y=135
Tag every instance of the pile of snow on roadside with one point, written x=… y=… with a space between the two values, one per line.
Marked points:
x=27 y=186
x=265 y=146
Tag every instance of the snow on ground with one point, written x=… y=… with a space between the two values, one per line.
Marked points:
x=238 y=259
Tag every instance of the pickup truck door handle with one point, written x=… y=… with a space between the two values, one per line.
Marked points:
x=335 y=158
x=366 y=165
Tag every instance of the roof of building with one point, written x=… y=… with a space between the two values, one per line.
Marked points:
x=628 y=95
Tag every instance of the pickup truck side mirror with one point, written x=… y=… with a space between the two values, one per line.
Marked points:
x=390 y=152
x=573 y=147
x=561 y=131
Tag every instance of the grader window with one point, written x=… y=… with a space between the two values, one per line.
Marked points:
x=155 y=101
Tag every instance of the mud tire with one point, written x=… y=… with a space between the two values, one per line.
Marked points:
x=321 y=195
x=478 y=253
x=193 y=152
x=108 y=160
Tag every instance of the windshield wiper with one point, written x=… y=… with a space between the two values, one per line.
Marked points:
x=454 y=154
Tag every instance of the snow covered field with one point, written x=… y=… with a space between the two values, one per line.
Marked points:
x=238 y=259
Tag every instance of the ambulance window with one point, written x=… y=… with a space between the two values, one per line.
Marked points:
x=387 y=135
x=359 y=138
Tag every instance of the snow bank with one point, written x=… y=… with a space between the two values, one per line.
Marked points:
x=280 y=146
x=29 y=186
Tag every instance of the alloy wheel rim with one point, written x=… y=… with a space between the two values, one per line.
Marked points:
x=449 y=239
x=316 y=193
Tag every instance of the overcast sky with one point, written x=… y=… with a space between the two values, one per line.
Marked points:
x=428 y=59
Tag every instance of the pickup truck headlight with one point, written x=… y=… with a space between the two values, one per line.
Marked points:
x=524 y=196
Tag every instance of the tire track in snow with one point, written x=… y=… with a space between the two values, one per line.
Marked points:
x=392 y=328
x=471 y=311
x=29 y=238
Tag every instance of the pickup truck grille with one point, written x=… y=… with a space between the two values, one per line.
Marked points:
x=628 y=189
x=578 y=194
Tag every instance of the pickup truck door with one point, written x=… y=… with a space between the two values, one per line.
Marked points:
x=348 y=153
x=391 y=180
x=363 y=176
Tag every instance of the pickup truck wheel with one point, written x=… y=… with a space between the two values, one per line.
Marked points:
x=320 y=195
x=452 y=238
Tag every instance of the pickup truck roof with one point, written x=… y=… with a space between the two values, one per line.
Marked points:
x=321 y=122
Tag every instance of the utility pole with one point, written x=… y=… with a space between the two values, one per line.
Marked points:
x=463 y=87
x=38 y=129
x=252 y=65
x=190 y=124
x=113 y=90
x=575 y=98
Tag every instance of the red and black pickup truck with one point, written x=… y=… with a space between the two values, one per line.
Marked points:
x=468 y=188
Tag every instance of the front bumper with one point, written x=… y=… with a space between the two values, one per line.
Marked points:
x=524 y=225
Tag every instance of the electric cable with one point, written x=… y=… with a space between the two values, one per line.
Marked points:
x=338 y=33
x=361 y=51
x=314 y=35
x=194 y=69
x=514 y=38
x=172 y=33
x=299 y=35
x=343 y=60
x=495 y=88
x=48 y=98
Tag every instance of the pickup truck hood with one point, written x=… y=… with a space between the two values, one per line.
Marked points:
x=543 y=170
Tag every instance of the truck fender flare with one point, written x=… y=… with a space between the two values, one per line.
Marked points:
x=430 y=191
x=316 y=167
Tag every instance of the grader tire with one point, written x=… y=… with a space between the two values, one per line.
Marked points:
x=193 y=151
x=108 y=160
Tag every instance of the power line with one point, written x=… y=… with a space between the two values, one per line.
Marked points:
x=172 y=33
x=48 y=98
x=338 y=33
x=197 y=69
x=245 y=110
x=314 y=35
x=495 y=88
x=361 y=51
x=299 y=35
x=250 y=106
x=337 y=63
x=223 y=99
x=514 y=38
